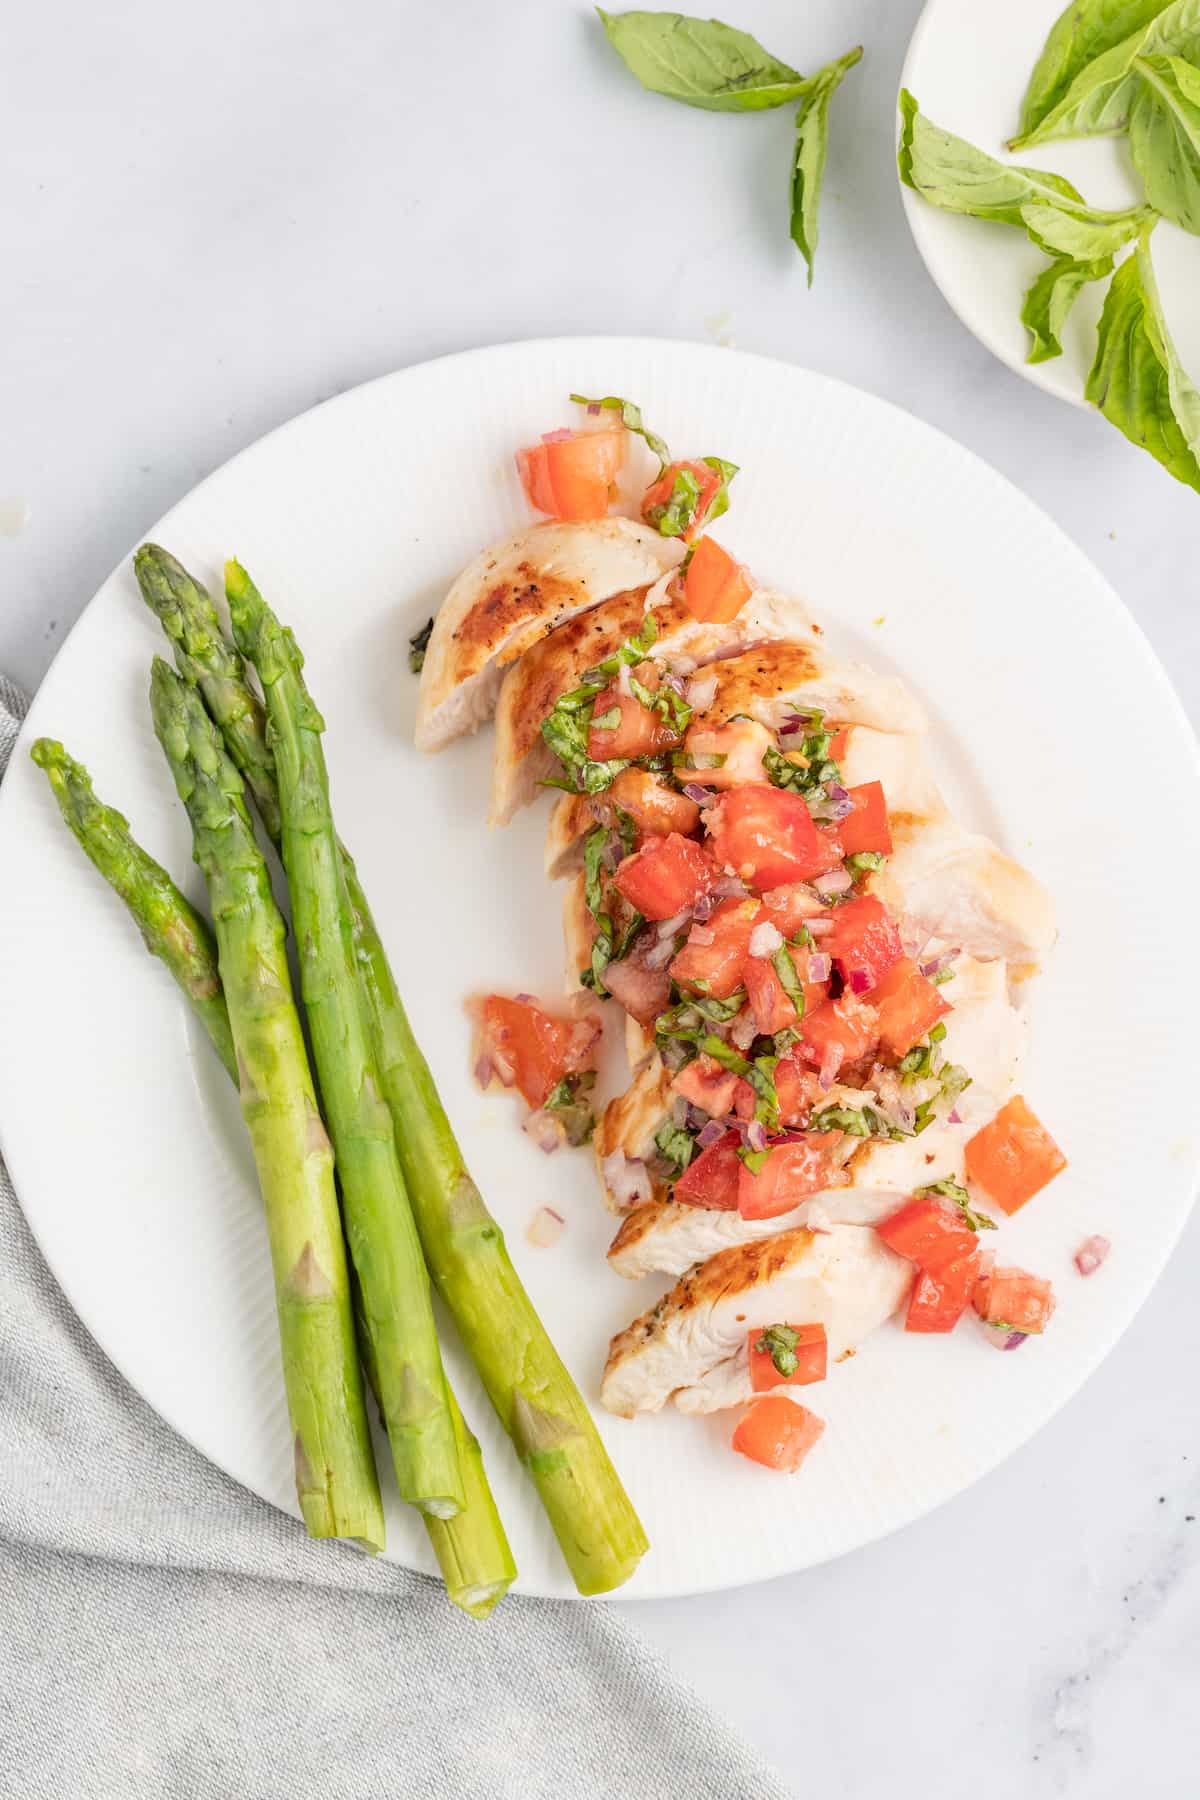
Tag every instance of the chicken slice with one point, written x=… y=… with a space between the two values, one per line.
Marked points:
x=985 y=1033
x=558 y=664
x=687 y=1345
x=513 y=594
x=957 y=886
x=771 y=681
x=628 y=1124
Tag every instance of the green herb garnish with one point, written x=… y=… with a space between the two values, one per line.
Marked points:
x=779 y=1343
x=568 y=1100
x=675 y=1145
x=566 y=727
x=418 y=643
x=631 y=418
x=790 y=981
x=950 y=1190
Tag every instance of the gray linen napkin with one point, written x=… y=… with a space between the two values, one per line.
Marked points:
x=165 y=1633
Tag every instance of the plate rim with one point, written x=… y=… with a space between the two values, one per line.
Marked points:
x=1117 y=616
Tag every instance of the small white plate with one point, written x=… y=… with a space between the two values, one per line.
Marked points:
x=968 y=65
x=1054 y=728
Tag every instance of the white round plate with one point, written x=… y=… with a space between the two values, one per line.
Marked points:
x=968 y=66
x=1053 y=727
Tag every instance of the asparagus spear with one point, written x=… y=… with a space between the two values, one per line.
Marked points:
x=171 y=927
x=539 y=1405
x=472 y=1549
x=335 y=1470
x=599 y=1532
x=397 y=1303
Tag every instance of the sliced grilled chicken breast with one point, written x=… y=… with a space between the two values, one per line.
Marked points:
x=958 y=886
x=557 y=664
x=845 y=1279
x=985 y=1033
x=515 y=593
x=628 y=1124
x=770 y=681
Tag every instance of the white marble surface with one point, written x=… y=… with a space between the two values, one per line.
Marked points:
x=216 y=216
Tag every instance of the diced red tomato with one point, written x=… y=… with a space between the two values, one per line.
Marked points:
x=1014 y=1157
x=938 y=1301
x=665 y=877
x=792 y=1171
x=777 y=1432
x=532 y=1049
x=655 y=808
x=711 y=1179
x=707 y=1084
x=864 y=943
x=1015 y=1298
x=840 y=739
x=744 y=1100
x=811 y=1351
x=640 y=732
x=742 y=742
x=866 y=828
x=908 y=1005
x=787 y=907
x=766 y=835
x=928 y=1233
x=712 y=959
x=838 y=1032
x=569 y=476
x=773 y=1010
x=796 y=1087
x=658 y=494
x=715 y=588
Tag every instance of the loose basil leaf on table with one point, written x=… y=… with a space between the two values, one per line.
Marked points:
x=812 y=141
x=1102 y=95
x=701 y=61
x=1083 y=31
x=1164 y=137
x=1049 y=301
x=1137 y=380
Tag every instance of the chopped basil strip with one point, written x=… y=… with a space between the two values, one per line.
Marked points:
x=626 y=829
x=865 y=861
x=565 y=729
x=855 y=1121
x=607 y=947
x=607 y=721
x=761 y=1076
x=785 y=968
x=703 y=759
x=594 y=845
x=417 y=646
x=675 y=1145
x=785 y=1040
x=753 y=1159
x=631 y=419
x=779 y=1343
x=568 y=1101
x=950 y=1190
x=811 y=776
x=725 y=1054
x=669 y=705
x=673 y=517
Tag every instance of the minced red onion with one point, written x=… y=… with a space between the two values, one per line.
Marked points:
x=954 y=1117
x=703 y=935
x=744 y=1029
x=676 y=684
x=820 y=966
x=626 y=1179
x=839 y=810
x=623 y=682
x=704 y=908
x=548 y=1132
x=795 y=721
x=484 y=1071
x=545 y=1228
x=791 y=740
x=679 y=1111
x=710 y=1134
x=729 y=887
x=831 y=1062
x=660 y=956
x=526 y=1000
x=702 y=692
x=1090 y=1254
x=666 y=928
x=756 y=1135
x=561 y=436
x=595 y=409
x=836 y=791
x=765 y=940
x=694 y=791
x=939 y=962
x=819 y=927
x=860 y=981
x=695 y=1118
x=838 y=881
x=1011 y=1340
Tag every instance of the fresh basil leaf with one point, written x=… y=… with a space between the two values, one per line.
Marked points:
x=1049 y=301
x=700 y=61
x=627 y=829
x=937 y=1032
x=606 y=721
x=565 y=729
x=865 y=862
x=779 y=1343
x=1090 y=239
x=954 y=1080
x=1101 y=96
x=417 y=646
x=674 y=516
x=594 y=846
x=1164 y=137
x=675 y=1145
x=1137 y=380
x=631 y=418
x=808 y=158
x=725 y=1054
x=761 y=1076
x=567 y=1099
x=952 y=174
x=671 y=707
x=855 y=1121
x=1084 y=30
x=719 y=503
x=950 y=1190
x=753 y=1159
